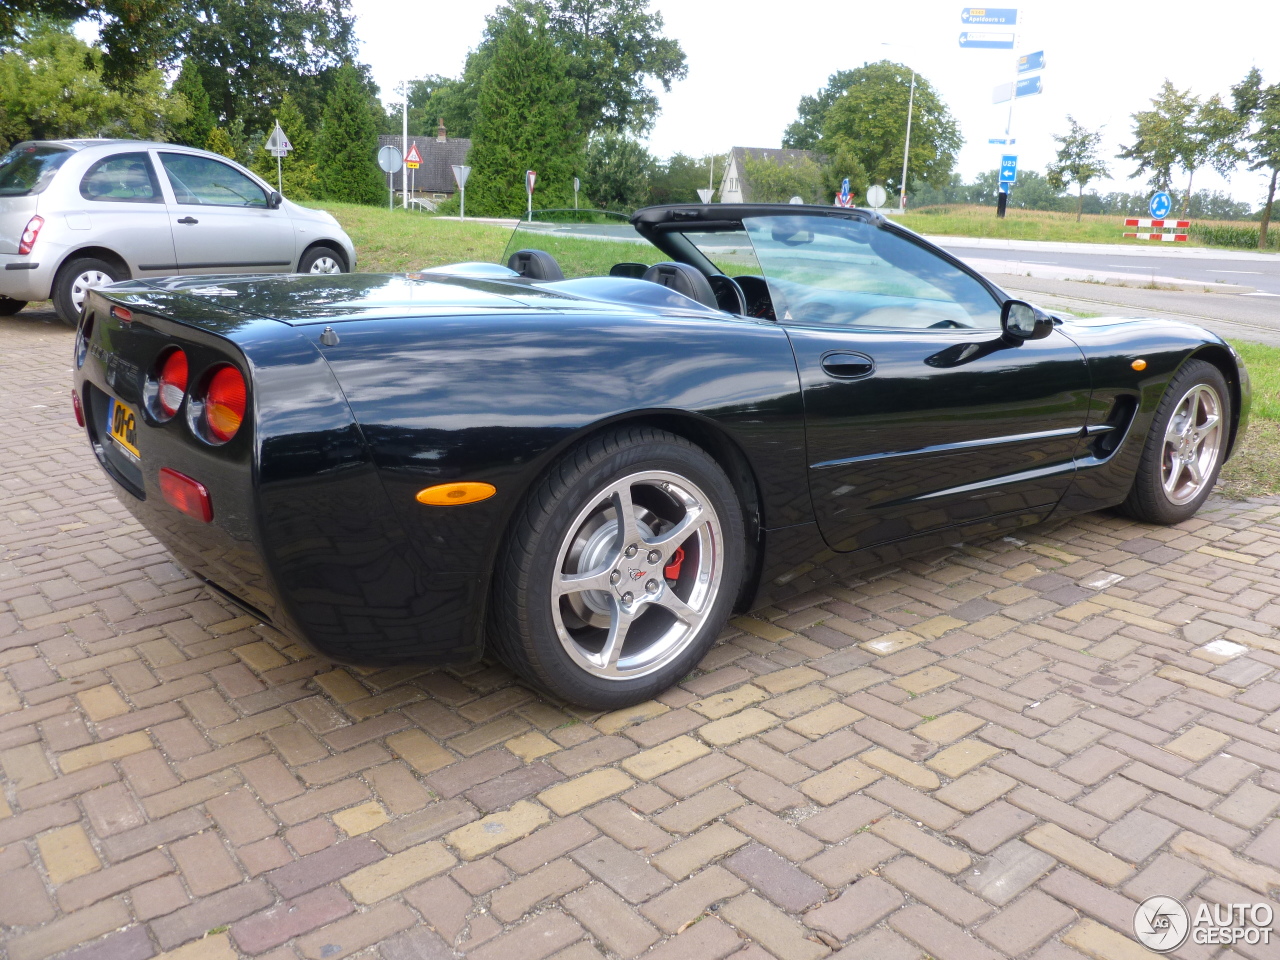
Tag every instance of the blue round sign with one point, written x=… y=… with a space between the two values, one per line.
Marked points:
x=1161 y=204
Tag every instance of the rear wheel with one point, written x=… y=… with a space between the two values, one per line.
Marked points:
x=10 y=306
x=1185 y=448
x=621 y=569
x=75 y=280
x=322 y=260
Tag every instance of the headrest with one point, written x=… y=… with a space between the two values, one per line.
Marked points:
x=535 y=264
x=683 y=278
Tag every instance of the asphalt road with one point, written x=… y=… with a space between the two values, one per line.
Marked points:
x=1259 y=271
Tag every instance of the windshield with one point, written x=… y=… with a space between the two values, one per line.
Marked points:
x=606 y=247
x=838 y=272
x=28 y=168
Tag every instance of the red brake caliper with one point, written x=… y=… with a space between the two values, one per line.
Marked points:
x=672 y=570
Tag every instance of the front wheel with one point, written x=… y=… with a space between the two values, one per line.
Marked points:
x=620 y=570
x=322 y=260
x=1185 y=448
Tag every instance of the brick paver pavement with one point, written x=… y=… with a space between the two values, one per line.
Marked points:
x=994 y=750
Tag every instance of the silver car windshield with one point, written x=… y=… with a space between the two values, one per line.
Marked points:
x=585 y=245
x=28 y=168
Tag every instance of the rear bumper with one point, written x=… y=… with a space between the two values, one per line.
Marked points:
x=30 y=277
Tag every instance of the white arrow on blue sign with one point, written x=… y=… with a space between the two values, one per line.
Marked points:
x=986 y=41
x=1008 y=169
x=1027 y=87
x=1031 y=62
x=1161 y=204
x=1002 y=16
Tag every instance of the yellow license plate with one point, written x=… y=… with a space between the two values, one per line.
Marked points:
x=122 y=424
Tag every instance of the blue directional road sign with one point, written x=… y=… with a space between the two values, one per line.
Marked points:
x=1003 y=16
x=1031 y=62
x=1161 y=204
x=986 y=41
x=1009 y=168
x=1003 y=141
x=1027 y=87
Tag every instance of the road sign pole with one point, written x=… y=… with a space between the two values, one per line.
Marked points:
x=404 y=171
x=279 y=176
x=906 y=150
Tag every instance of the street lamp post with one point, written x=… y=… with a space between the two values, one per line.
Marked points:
x=906 y=149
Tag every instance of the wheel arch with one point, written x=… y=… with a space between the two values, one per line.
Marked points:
x=1220 y=356
x=700 y=431
x=328 y=245
x=105 y=254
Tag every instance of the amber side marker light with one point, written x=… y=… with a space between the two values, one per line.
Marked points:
x=456 y=494
x=1139 y=365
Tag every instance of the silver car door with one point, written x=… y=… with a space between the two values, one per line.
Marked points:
x=221 y=219
x=120 y=206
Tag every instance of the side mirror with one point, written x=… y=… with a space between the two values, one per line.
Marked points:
x=1021 y=321
x=274 y=200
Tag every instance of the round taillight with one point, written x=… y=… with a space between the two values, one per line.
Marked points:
x=172 y=383
x=224 y=404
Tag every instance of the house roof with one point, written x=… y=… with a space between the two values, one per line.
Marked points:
x=772 y=154
x=436 y=173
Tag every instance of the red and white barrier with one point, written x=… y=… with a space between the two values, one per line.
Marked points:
x=1179 y=224
x=1149 y=225
x=1158 y=237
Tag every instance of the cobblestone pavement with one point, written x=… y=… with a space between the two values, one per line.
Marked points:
x=995 y=750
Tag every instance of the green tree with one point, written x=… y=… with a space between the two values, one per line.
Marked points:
x=681 y=177
x=433 y=99
x=348 y=143
x=1211 y=139
x=617 y=171
x=838 y=162
x=298 y=169
x=1258 y=107
x=1159 y=135
x=220 y=142
x=1078 y=161
x=805 y=132
x=52 y=87
x=869 y=121
x=527 y=120
x=195 y=130
x=767 y=181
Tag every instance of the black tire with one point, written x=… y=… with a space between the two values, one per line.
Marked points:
x=65 y=283
x=1148 y=499
x=10 y=306
x=524 y=618
x=317 y=253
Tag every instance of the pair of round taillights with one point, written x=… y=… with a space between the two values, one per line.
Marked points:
x=217 y=413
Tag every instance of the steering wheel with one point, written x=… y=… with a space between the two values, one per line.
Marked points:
x=729 y=296
x=759 y=303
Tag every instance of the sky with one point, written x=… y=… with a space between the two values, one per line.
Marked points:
x=750 y=62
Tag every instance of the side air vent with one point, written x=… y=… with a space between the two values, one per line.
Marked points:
x=1106 y=436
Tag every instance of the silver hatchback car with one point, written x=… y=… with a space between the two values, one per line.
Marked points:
x=76 y=214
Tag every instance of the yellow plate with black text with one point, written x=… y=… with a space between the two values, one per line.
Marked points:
x=122 y=424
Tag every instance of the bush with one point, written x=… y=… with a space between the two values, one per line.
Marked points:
x=1217 y=235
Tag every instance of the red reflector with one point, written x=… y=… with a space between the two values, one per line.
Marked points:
x=122 y=313
x=29 y=235
x=75 y=402
x=172 y=382
x=224 y=403
x=187 y=495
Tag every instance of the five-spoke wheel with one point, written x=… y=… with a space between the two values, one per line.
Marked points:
x=1185 y=446
x=622 y=569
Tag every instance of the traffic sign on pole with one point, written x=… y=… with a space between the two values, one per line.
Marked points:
x=530 y=177
x=389 y=159
x=1161 y=204
x=278 y=144
x=1027 y=87
x=993 y=16
x=1031 y=62
x=986 y=41
x=413 y=159
x=1009 y=168
x=1003 y=141
x=460 y=174
x=577 y=185
x=704 y=194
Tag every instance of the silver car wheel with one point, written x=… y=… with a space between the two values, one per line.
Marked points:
x=1192 y=444
x=85 y=282
x=616 y=611
x=326 y=264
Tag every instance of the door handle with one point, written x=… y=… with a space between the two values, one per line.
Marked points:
x=188 y=220
x=848 y=366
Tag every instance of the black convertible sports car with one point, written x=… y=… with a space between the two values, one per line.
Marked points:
x=582 y=460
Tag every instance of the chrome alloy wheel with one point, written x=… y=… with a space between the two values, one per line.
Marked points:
x=326 y=264
x=637 y=575
x=1192 y=444
x=82 y=284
